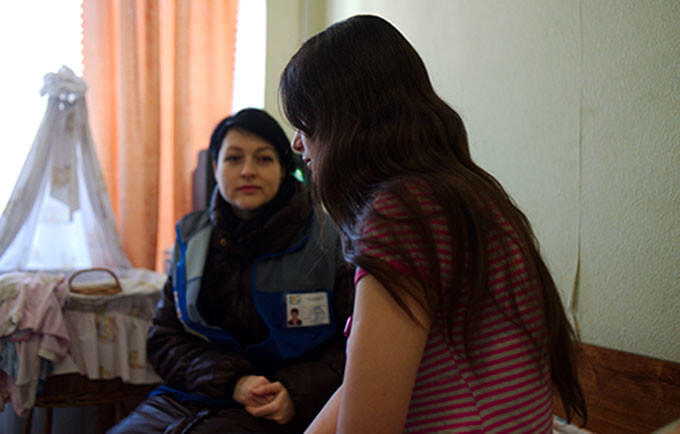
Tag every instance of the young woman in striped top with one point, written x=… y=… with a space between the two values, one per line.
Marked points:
x=457 y=325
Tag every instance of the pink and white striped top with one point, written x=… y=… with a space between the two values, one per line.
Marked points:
x=508 y=387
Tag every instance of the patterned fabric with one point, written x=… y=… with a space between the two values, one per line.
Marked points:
x=507 y=387
x=35 y=332
x=108 y=333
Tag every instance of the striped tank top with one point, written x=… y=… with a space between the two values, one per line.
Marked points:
x=506 y=387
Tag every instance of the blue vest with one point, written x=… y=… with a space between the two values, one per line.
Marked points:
x=304 y=271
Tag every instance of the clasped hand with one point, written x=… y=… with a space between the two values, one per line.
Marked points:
x=262 y=398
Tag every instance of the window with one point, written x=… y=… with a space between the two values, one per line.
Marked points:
x=39 y=36
x=36 y=37
x=249 y=62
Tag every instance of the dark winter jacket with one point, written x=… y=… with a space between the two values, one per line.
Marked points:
x=210 y=369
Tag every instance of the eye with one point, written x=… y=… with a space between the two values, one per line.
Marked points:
x=266 y=159
x=232 y=158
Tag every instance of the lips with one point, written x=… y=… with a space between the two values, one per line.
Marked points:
x=249 y=189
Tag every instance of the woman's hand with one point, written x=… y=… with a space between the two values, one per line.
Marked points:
x=279 y=407
x=244 y=391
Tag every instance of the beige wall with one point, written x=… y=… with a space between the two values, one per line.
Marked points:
x=575 y=107
x=289 y=23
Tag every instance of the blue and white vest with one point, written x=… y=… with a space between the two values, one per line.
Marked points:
x=299 y=278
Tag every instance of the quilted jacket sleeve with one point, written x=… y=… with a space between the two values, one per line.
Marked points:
x=187 y=362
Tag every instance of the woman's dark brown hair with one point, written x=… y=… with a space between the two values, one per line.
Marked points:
x=362 y=95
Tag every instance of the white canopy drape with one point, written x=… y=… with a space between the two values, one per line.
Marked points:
x=59 y=216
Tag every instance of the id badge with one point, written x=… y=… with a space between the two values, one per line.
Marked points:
x=307 y=309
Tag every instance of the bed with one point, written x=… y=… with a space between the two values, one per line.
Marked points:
x=628 y=393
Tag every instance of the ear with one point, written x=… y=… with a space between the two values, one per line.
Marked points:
x=214 y=168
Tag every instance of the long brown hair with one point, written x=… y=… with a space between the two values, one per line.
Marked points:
x=362 y=95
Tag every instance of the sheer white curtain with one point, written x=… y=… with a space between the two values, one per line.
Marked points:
x=36 y=37
x=59 y=216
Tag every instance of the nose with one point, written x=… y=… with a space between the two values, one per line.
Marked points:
x=296 y=143
x=248 y=168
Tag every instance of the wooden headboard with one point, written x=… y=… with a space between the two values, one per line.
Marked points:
x=625 y=392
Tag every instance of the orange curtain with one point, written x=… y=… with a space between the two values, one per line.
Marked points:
x=160 y=77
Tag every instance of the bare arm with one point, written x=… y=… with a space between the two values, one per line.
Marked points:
x=383 y=355
x=327 y=419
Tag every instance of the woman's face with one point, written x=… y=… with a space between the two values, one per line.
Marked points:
x=302 y=145
x=248 y=172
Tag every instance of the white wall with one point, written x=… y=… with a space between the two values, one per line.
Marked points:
x=575 y=107
x=630 y=292
x=289 y=24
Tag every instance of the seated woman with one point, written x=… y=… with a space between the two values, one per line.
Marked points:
x=457 y=323
x=223 y=339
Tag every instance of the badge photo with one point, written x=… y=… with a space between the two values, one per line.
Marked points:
x=307 y=309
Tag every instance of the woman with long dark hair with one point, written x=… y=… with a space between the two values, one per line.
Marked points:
x=457 y=324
